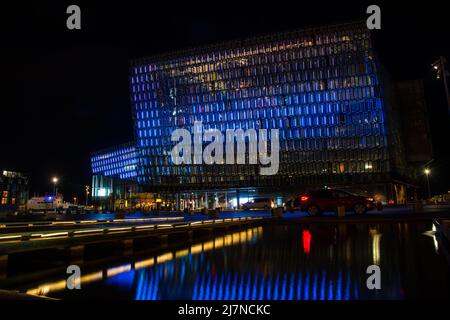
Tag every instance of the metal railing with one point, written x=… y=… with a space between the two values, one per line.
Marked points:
x=115 y=230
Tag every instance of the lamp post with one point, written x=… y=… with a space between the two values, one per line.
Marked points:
x=55 y=189
x=427 y=174
x=441 y=72
x=87 y=194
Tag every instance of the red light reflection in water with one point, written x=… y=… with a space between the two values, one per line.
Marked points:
x=306 y=237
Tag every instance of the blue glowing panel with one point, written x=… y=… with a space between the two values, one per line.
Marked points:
x=118 y=162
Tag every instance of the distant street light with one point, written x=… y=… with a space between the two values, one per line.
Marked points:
x=55 y=189
x=427 y=174
x=87 y=194
x=439 y=66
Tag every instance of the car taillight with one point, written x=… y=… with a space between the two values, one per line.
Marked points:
x=304 y=198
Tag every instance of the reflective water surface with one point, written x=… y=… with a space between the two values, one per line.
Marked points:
x=292 y=262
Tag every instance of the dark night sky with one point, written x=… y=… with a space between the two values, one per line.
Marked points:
x=66 y=92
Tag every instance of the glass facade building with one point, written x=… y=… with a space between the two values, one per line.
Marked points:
x=322 y=88
x=118 y=162
x=110 y=166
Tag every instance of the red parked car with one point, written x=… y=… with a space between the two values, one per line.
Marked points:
x=317 y=201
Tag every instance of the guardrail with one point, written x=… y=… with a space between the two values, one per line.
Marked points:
x=114 y=230
x=82 y=222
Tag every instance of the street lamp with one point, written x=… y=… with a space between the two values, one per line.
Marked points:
x=55 y=190
x=87 y=188
x=427 y=174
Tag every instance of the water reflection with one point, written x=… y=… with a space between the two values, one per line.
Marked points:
x=237 y=238
x=317 y=262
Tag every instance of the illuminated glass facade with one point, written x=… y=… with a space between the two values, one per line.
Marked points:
x=114 y=171
x=320 y=87
x=118 y=162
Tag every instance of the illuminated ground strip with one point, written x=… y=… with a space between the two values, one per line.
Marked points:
x=44 y=235
x=63 y=223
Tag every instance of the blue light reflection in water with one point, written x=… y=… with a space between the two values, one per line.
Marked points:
x=271 y=264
